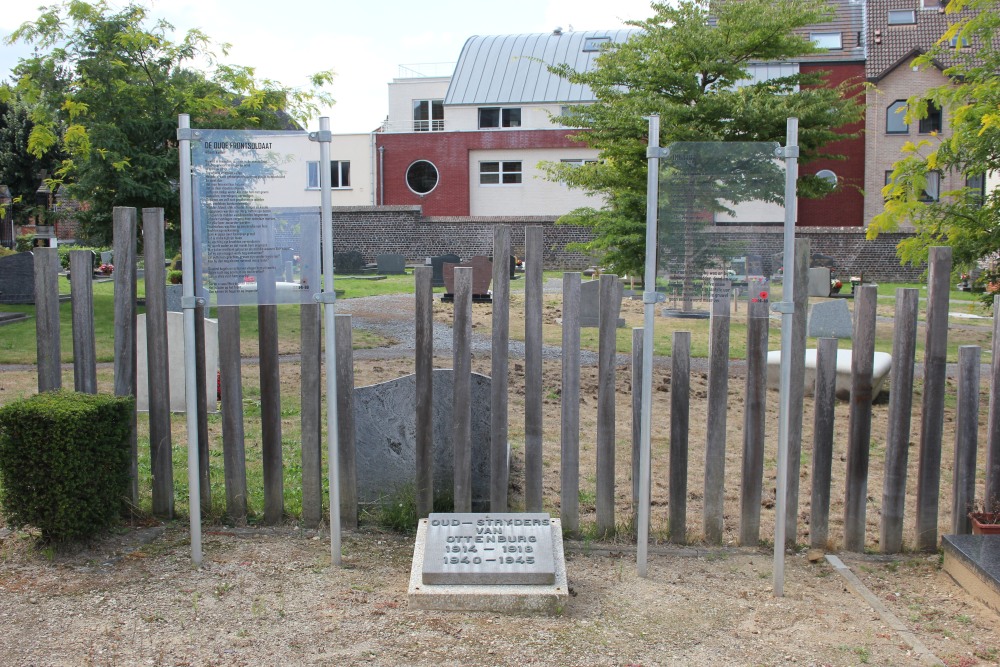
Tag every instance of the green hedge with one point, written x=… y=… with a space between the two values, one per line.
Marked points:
x=64 y=462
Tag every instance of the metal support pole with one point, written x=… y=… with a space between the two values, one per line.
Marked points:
x=189 y=302
x=787 y=309
x=648 y=303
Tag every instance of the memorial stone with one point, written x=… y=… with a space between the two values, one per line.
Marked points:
x=830 y=319
x=819 y=281
x=350 y=262
x=489 y=549
x=437 y=268
x=175 y=361
x=17 y=278
x=482 y=274
x=106 y=256
x=390 y=264
x=590 y=305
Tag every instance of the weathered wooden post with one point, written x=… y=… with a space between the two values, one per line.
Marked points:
x=966 y=439
x=424 y=368
x=124 y=248
x=233 y=435
x=500 y=381
x=897 y=438
x=823 y=419
x=533 y=469
x=81 y=263
x=637 y=334
x=461 y=399
x=993 y=428
x=204 y=446
x=270 y=409
x=610 y=305
x=860 y=418
x=718 y=402
x=345 y=422
x=932 y=410
x=311 y=415
x=796 y=395
x=751 y=489
x=49 y=354
x=569 y=432
x=158 y=363
x=680 y=404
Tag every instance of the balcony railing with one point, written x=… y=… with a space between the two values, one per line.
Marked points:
x=400 y=126
x=425 y=70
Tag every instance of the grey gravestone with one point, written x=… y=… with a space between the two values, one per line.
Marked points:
x=482 y=274
x=348 y=263
x=437 y=268
x=106 y=256
x=590 y=305
x=831 y=319
x=390 y=264
x=384 y=419
x=17 y=278
x=819 y=281
x=489 y=549
x=755 y=266
x=819 y=259
x=174 y=294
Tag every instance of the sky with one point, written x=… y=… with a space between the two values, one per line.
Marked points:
x=363 y=41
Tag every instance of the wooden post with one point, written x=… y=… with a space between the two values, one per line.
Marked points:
x=610 y=305
x=932 y=410
x=345 y=422
x=966 y=439
x=751 y=489
x=860 y=419
x=81 y=264
x=680 y=403
x=233 y=437
x=569 y=432
x=796 y=396
x=897 y=438
x=499 y=369
x=124 y=224
x=424 y=368
x=993 y=427
x=47 y=341
x=311 y=415
x=158 y=364
x=270 y=413
x=461 y=436
x=718 y=402
x=204 y=446
x=823 y=420
x=636 y=416
x=533 y=369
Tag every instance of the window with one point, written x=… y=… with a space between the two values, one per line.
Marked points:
x=902 y=16
x=827 y=40
x=499 y=173
x=895 y=118
x=957 y=42
x=428 y=115
x=977 y=188
x=340 y=174
x=499 y=117
x=578 y=162
x=595 y=43
x=421 y=177
x=932 y=123
x=932 y=191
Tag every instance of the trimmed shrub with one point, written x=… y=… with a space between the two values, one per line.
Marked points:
x=64 y=462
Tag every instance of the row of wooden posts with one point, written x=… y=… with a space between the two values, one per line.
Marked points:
x=751 y=475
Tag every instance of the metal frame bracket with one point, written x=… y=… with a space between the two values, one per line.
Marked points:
x=658 y=151
x=324 y=136
x=783 y=307
x=325 y=297
x=787 y=151
x=191 y=302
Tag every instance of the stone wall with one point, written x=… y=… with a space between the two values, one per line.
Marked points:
x=402 y=229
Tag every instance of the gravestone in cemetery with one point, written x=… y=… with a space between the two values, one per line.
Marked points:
x=819 y=281
x=385 y=445
x=437 y=268
x=501 y=562
x=107 y=256
x=17 y=278
x=175 y=361
x=390 y=264
x=482 y=274
x=590 y=305
x=830 y=319
x=350 y=262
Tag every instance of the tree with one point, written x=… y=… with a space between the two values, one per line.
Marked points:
x=21 y=171
x=967 y=218
x=106 y=87
x=687 y=65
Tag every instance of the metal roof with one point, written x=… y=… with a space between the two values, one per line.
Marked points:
x=513 y=69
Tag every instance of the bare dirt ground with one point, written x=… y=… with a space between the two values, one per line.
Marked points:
x=271 y=596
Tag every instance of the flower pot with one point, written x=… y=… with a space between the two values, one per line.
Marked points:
x=984 y=523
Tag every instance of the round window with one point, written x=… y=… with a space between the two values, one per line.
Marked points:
x=422 y=177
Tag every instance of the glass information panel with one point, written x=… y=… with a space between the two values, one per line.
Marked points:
x=704 y=189
x=253 y=250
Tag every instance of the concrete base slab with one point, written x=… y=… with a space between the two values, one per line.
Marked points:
x=547 y=599
x=973 y=561
x=880 y=371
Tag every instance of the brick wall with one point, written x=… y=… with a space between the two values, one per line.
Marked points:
x=402 y=229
